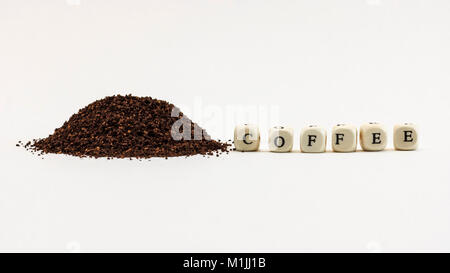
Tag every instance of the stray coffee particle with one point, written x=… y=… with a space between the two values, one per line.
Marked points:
x=126 y=127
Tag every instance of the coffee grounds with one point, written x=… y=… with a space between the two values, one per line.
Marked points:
x=125 y=127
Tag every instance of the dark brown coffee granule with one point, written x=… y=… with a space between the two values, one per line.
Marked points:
x=125 y=127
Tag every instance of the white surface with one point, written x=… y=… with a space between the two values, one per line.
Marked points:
x=320 y=62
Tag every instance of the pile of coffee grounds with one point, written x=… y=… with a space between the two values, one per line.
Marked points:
x=125 y=127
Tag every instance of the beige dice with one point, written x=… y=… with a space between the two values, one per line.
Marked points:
x=313 y=139
x=281 y=139
x=373 y=136
x=246 y=138
x=344 y=138
x=405 y=137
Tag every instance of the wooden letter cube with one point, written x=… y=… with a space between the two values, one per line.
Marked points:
x=246 y=138
x=373 y=137
x=344 y=138
x=405 y=137
x=281 y=139
x=313 y=139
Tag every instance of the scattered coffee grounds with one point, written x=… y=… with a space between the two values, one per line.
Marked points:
x=126 y=127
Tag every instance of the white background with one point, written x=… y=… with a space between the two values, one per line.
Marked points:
x=319 y=62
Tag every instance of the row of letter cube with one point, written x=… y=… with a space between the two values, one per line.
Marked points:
x=313 y=139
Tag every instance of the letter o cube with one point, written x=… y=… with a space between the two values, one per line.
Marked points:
x=313 y=139
x=281 y=139
x=405 y=137
x=344 y=138
x=373 y=136
x=246 y=138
